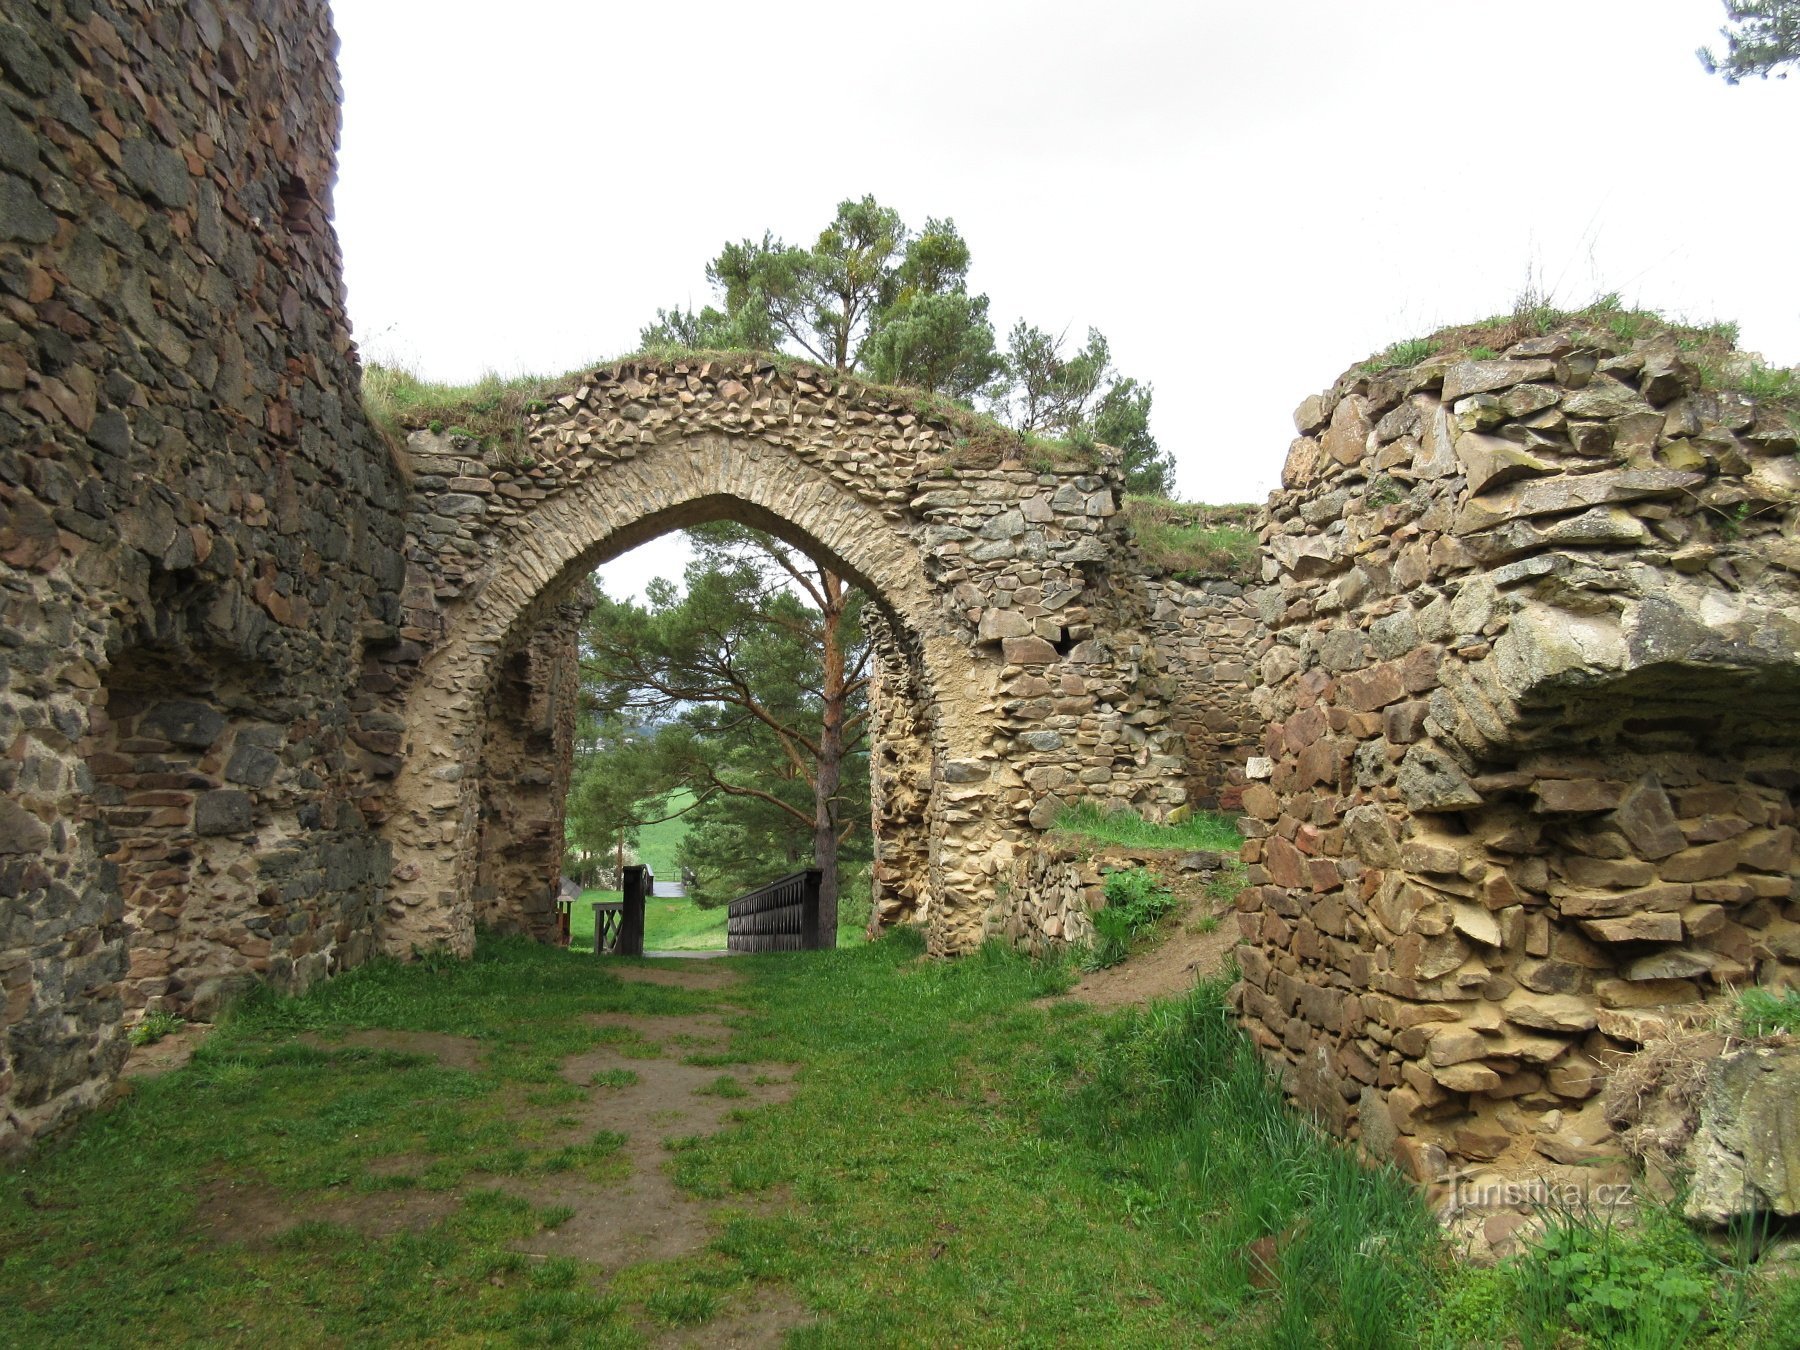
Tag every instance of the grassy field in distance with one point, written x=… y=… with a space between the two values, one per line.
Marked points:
x=671 y=924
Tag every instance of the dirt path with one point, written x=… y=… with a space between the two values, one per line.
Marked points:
x=1198 y=936
x=637 y=1086
x=1168 y=969
x=646 y=1217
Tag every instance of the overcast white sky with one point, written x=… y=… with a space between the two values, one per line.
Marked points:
x=1245 y=198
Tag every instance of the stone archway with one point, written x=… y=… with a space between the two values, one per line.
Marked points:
x=1015 y=674
x=669 y=488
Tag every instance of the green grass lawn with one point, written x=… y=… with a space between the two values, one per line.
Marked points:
x=672 y=925
x=960 y=1164
x=657 y=844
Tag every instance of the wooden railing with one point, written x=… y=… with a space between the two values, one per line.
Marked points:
x=780 y=917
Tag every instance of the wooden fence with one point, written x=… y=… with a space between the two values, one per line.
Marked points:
x=780 y=917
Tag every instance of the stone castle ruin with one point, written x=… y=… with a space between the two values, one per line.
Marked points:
x=1510 y=711
x=1533 y=722
x=1015 y=664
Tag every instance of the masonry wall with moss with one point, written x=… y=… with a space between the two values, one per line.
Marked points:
x=1018 y=672
x=199 y=534
x=1532 y=706
x=1519 y=649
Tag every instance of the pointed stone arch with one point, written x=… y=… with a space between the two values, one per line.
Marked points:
x=670 y=487
x=1015 y=672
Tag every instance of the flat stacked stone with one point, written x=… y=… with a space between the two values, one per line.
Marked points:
x=1533 y=738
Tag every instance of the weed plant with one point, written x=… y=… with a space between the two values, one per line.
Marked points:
x=1762 y=1012
x=153 y=1026
x=1591 y=1281
x=1134 y=903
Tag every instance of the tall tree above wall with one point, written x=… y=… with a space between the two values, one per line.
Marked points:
x=1761 y=36
x=873 y=296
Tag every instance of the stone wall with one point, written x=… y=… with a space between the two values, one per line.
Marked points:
x=1044 y=904
x=1209 y=641
x=527 y=761
x=1533 y=708
x=1017 y=671
x=198 y=532
x=1526 y=692
x=900 y=781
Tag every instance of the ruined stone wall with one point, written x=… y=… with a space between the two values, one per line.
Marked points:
x=1006 y=591
x=527 y=760
x=1209 y=641
x=900 y=777
x=1534 y=715
x=198 y=532
x=1045 y=902
x=1205 y=642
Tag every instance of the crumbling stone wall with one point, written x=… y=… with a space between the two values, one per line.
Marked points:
x=1017 y=631
x=1533 y=706
x=900 y=778
x=1525 y=647
x=199 y=535
x=527 y=760
x=1046 y=902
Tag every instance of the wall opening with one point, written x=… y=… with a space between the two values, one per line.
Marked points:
x=232 y=867
x=535 y=720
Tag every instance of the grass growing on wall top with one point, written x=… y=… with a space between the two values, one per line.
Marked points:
x=1712 y=347
x=1203 y=830
x=1193 y=541
x=1535 y=316
x=493 y=409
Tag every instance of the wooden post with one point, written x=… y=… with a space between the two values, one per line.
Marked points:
x=637 y=882
x=811 y=940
